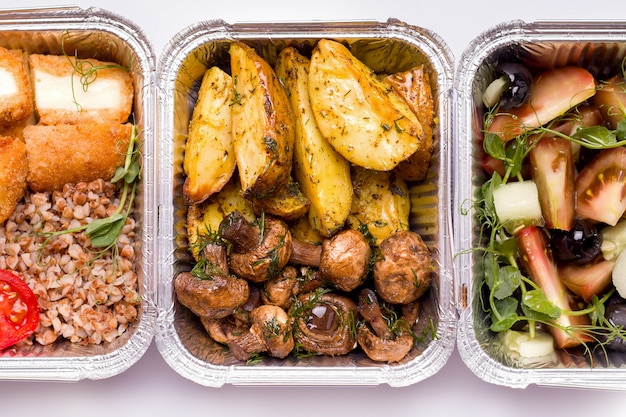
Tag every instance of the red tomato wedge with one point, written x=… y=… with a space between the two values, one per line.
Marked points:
x=19 y=311
x=611 y=99
x=554 y=92
x=552 y=167
x=589 y=279
x=601 y=187
x=541 y=268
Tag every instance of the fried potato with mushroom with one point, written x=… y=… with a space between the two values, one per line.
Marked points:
x=414 y=87
x=13 y=169
x=323 y=174
x=370 y=125
x=381 y=203
x=263 y=125
x=203 y=220
x=287 y=202
x=209 y=160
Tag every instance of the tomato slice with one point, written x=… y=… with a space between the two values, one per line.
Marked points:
x=19 y=310
x=601 y=187
x=552 y=165
x=554 y=92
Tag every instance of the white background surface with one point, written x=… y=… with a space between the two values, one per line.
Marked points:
x=151 y=388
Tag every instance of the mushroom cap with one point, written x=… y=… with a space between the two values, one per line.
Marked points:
x=345 y=259
x=404 y=272
x=279 y=290
x=324 y=324
x=267 y=258
x=275 y=326
x=214 y=298
x=381 y=349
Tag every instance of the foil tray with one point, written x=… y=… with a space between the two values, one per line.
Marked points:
x=596 y=46
x=384 y=46
x=99 y=34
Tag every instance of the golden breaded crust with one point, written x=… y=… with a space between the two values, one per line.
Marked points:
x=96 y=92
x=16 y=100
x=67 y=154
x=13 y=169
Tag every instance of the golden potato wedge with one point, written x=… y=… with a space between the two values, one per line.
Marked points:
x=288 y=202
x=381 y=202
x=364 y=121
x=262 y=122
x=414 y=87
x=209 y=160
x=302 y=230
x=323 y=174
x=203 y=220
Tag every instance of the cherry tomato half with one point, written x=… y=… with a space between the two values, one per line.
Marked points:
x=19 y=311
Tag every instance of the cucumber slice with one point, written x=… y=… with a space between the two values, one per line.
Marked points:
x=517 y=205
x=494 y=91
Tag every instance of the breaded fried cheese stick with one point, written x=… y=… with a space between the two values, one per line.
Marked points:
x=71 y=91
x=67 y=154
x=13 y=169
x=16 y=100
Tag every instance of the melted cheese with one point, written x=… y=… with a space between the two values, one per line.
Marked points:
x=8 y=84
x=67 y=93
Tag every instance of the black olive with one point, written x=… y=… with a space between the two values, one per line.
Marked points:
x=616 y=314
x=520 y=81
x=577 y=246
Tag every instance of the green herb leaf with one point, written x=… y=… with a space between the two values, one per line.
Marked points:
x=595 y=136
x=509 y=278
x=108 y=232
x=494 y=146
x=507 y=313
x=536 y=300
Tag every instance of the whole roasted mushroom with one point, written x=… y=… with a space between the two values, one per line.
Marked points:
x=403 y=274
x=282 y=289
x=324 y=323
x=215 y=296
x=343 y=259
x=259 y=251
x=211 y=292
x=381 y=338
x=270 y=332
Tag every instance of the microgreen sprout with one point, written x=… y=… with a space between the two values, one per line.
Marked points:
x=511 y=297
x=84 y=69
x=103 y=233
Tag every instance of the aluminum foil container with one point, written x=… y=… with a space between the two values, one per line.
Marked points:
x=597 y=46
x=102 y=35
x=386 y=47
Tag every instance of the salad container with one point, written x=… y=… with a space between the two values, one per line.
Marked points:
x=385 y=47
x=94 y=33
x=600 y=48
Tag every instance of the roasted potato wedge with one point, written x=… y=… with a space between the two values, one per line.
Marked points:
x=288 y=202
x=370 y=125
x=209 y=160
x=381 y=202
x=414 y=87
x=263 y=125
x=302 y=230
x=203 y=220
x=323 y=174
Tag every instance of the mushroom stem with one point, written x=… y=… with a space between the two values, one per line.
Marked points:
x=243 y=235
x=342 y=259
x=305 y=254
x=370 y=310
